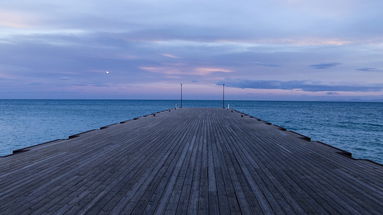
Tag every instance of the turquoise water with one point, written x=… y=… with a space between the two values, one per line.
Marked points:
x=353 y=126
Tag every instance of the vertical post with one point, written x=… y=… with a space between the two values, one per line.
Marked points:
x=223 y=96
x=181 y=95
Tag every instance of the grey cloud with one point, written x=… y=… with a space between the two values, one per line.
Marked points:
x=331 y=93
x=367 y=69
x=303 y=85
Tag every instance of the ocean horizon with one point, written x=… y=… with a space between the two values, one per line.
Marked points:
x=353 y=126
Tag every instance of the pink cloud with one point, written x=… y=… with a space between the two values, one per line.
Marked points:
x=13 y=19
x=5 y=75
x=209 y=70
x=200 y=71
x=170 y=55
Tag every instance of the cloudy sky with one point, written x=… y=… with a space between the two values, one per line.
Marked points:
x=143 y=49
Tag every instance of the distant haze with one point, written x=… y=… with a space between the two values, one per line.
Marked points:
x=143 y=49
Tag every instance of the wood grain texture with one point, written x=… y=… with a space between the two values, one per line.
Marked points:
x=189 y=161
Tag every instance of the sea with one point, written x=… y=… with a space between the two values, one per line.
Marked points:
x=356 y=127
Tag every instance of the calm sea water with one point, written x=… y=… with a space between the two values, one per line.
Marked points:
x=355 y=127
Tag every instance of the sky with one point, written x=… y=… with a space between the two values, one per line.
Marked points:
x=143 y=49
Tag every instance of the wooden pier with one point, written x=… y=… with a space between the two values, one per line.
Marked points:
x=196 y=161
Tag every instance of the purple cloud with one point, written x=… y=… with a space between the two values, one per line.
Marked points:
x=324 y=65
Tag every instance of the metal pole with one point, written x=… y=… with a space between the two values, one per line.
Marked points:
x=181 y=95
x=223 y=96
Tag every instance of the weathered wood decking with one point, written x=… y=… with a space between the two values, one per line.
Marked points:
x=189 y=160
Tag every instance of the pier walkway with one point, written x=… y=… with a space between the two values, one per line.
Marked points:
x=196 y=161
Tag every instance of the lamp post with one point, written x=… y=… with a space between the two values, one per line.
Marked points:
x=223 y=96
x=181 y=95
